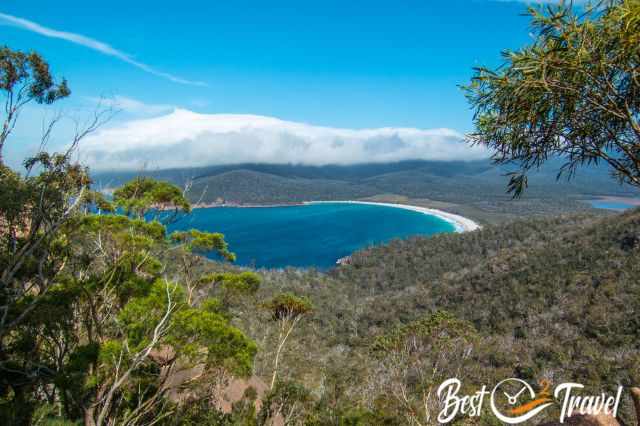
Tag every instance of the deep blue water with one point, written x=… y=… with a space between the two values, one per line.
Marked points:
x=313 y=235
x=610 y=205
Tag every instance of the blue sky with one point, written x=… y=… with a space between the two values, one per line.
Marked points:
x=329 y=63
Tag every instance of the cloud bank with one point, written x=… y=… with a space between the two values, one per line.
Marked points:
x=91 y=44
x=187 y=139
x=131 y=106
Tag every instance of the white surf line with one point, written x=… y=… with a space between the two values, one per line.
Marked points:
x=460 y=223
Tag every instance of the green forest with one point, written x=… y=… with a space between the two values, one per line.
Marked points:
x=108 y=319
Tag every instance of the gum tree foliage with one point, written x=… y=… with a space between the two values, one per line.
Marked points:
x=25 y=78
x=32 y=253
x=287 y=310
x=143 y=195
x=105 y=339
x=232 y=287
x=412 y=360
x=574 y=93
x=288 y=400
x=191 y=244
x=91 y=327
x=102 y=324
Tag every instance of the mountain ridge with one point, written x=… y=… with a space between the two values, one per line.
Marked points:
x=470 y=183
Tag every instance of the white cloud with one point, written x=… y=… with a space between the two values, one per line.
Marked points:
x=91 y=44
x=132 y=106
x=187 y=139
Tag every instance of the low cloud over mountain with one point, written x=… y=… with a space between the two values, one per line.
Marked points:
x=187 y=139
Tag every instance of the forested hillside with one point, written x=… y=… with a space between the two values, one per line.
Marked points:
x=450 y=181
x=107 y=318
x=541 y=296
x=475 y=189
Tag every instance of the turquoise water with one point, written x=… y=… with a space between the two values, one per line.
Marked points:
x=610 y=205
x=313 y=235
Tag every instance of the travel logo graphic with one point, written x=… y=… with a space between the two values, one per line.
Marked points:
x=514 y=401
x=524 y=411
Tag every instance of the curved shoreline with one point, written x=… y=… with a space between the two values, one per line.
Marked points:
x=460 y=223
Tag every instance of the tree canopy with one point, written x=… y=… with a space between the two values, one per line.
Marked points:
x=143 y=195
x=24 y=78
x=93 y=324
x=574 y=93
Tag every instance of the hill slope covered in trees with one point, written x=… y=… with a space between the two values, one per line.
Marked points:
x=475 y=189
x=553 y=298
x=454 y=181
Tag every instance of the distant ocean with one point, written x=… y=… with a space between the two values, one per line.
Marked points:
x=313 y=235
x=611 y=204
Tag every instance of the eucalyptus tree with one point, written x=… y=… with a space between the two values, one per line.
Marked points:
x=411 y=361
x=287 y=310
x=143 y=196
x=573 y=93
x=109 y=337
x=33 y=210
x=91 y=325
x=25 y=78
x=190 y=248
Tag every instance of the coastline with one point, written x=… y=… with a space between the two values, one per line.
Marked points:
x=632 y=201
x=460 y=223
x=245 y=206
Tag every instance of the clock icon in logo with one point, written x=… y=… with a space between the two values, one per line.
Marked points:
x=514 y=401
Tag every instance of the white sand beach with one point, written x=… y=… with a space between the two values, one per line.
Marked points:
x=461 y=223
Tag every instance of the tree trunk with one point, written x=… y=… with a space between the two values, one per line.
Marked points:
x=275 y=364
x=286 y=333
x=635 y=395
x=89 y=414
x=23 y=407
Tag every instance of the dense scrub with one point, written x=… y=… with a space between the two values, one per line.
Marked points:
x=107 y=319
x=553 y=298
